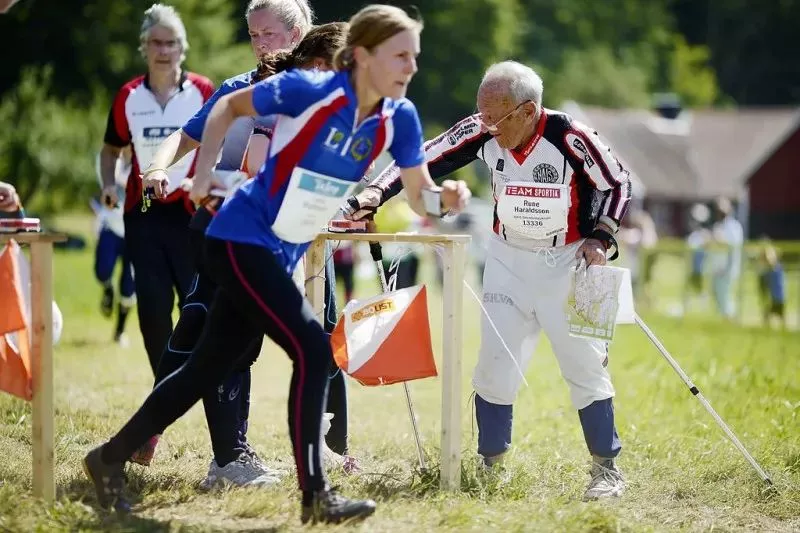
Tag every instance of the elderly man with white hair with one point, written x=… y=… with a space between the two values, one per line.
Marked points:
x=559 y=195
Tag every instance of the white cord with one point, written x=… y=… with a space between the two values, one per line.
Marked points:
x=437 y=249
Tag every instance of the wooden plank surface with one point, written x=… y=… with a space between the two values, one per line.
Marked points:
x=453 y=260
x=394 y=237
x=28 y=238
x=42 y=369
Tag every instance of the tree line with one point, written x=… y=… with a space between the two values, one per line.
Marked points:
x=70 y=58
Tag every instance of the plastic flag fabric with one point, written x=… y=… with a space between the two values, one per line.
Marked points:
x=385 y=339
x=15 y=360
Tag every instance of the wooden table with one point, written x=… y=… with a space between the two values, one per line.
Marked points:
x=41 y=356
x=453 y=259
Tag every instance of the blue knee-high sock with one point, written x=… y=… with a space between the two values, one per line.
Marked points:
x=597 y=421
x=494 y=426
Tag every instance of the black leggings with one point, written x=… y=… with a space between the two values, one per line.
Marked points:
x=255 y=296
x=158 y=245
x=227 y=406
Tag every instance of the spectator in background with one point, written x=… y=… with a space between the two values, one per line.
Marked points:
x=725 y=255
x=772 y=285
x=696 y=241
x=111 y=249
x=345 y=258
x=638 y=236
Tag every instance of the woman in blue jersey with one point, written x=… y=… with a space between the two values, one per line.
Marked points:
x=331 y=127
x=271 y=23
x=227 y=405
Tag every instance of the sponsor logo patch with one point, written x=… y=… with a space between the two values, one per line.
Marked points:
x=361 y=148
x=462 y=131
x=159 y=132
x=378 y=307
x=497 y=298
x=579 y=149
x=545 y=173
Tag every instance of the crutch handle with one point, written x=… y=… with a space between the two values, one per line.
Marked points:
x=376 y=251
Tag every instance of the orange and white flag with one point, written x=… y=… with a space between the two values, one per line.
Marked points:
x=385 y=339
x=15 y=359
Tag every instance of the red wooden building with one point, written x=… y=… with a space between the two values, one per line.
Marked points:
x=774 y=192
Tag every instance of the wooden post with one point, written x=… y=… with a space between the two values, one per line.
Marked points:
x=453 y=273
x=315 y=277
x=453 y=269
x=42 y=370
x=41 y=357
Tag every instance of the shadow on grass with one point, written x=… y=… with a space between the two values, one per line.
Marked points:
x=84 y=342
x=79 y=492
x=510 y=484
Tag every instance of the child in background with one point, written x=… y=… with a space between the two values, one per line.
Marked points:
x=772 y=284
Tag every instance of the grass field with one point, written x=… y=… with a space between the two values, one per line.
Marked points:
x=683 y=475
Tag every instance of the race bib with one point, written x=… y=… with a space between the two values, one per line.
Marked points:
x=311 y=200
x=535 y=210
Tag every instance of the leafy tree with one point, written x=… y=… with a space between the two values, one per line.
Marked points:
x=596 y=77
x=49 y=153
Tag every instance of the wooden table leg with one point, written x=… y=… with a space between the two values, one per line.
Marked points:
x=453 y=270
x=42 y=370
x=315 y=277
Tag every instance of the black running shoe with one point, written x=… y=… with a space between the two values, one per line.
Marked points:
x=108 y=479
x=330 y=507
x=107 y=302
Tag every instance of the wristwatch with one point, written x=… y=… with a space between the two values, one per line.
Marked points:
x=608 y=241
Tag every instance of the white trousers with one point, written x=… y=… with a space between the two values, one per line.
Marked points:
x=524 y=293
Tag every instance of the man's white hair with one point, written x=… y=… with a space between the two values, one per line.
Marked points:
x=166 y=16
x=523 y=82
x=292 y=13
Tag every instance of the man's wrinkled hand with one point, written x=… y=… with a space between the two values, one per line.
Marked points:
x=362 y=205
x=593 y=251
x=455 y=196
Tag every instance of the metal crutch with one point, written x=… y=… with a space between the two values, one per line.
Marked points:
x=377 y=256
x=697 y=394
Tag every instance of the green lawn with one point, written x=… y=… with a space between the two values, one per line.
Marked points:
x=683 y=474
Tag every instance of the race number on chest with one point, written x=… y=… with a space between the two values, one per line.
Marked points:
x=311 y=200
x=536 y=210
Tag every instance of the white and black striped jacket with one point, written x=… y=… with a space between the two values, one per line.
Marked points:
x=562 y=151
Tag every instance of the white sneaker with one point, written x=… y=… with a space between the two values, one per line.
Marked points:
x=242 y=472
x=265 y=468
x=607 y=480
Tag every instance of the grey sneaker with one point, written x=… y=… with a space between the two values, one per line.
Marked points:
x=242 y=472
x=607 y=480
x=265 y=468
x=493 y=470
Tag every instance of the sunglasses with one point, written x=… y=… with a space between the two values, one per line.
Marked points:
x=492 y=128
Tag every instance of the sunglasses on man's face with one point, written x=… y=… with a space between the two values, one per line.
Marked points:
x=492 y=128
